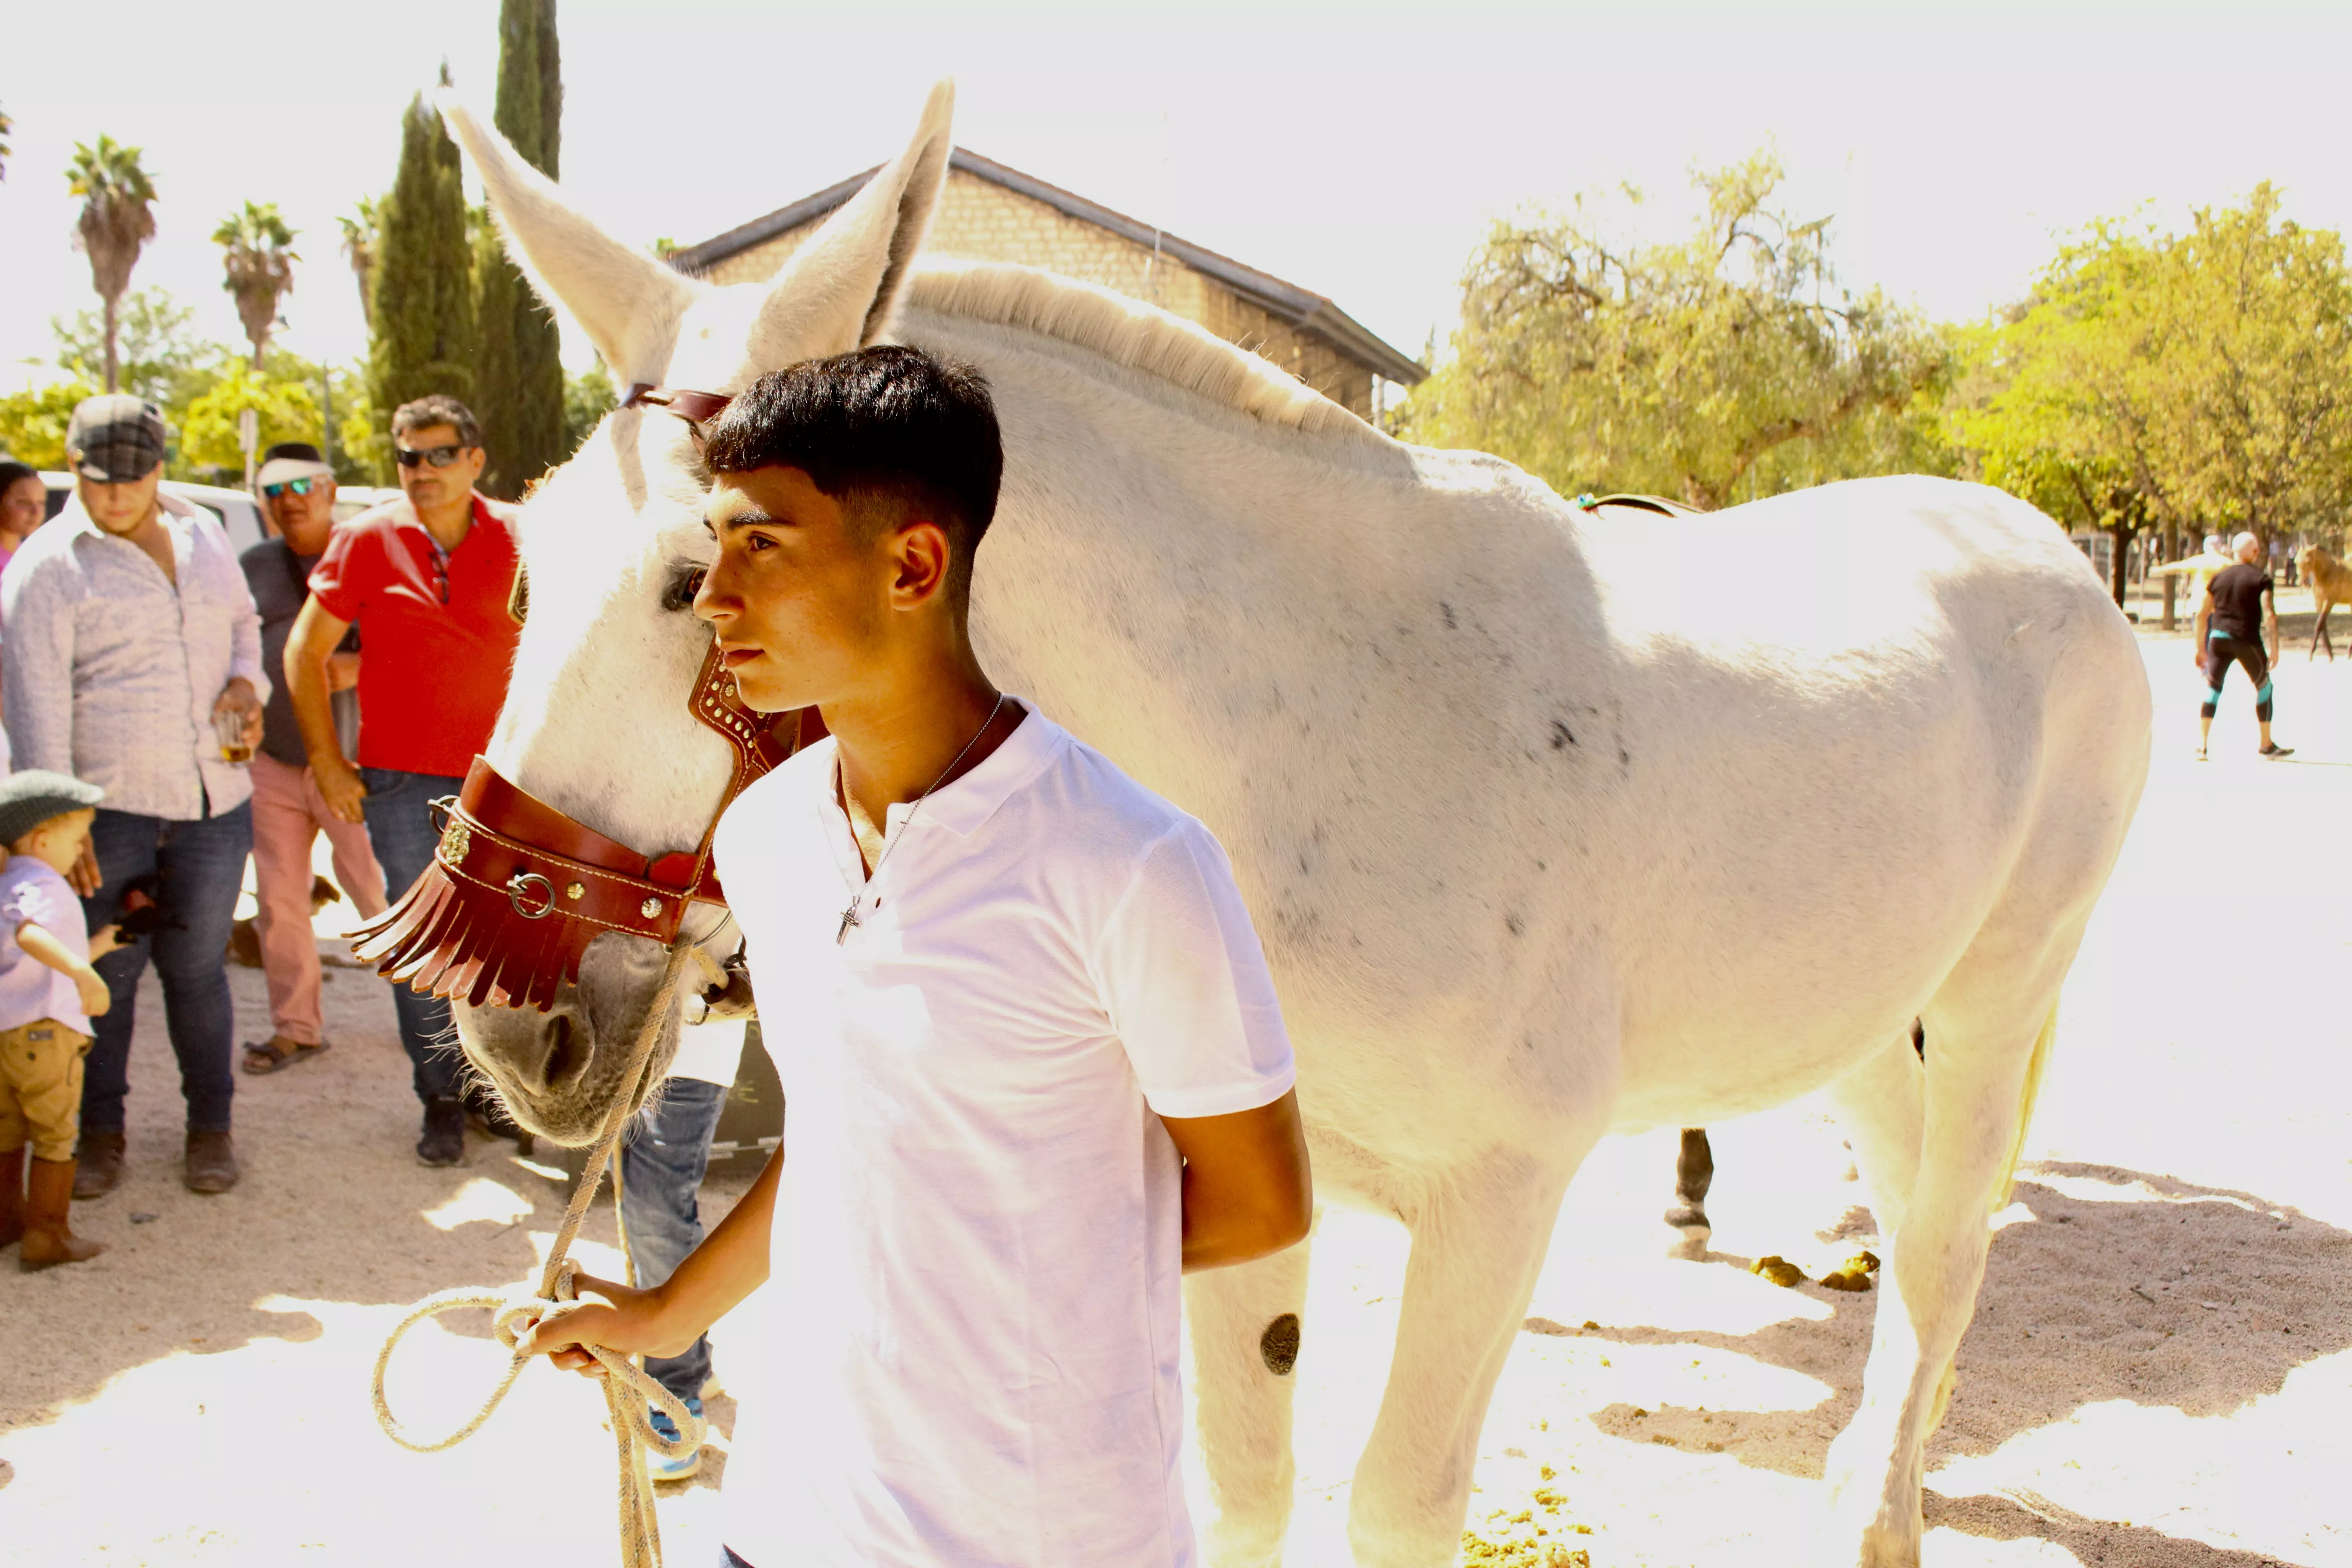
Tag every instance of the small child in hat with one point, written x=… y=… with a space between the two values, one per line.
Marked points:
x=47 y=993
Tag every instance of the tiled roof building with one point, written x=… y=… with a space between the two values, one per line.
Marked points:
x=991 y=212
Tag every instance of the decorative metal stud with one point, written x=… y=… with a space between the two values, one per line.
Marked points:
x=651 y=909
x=574 y=891
x=455 y=842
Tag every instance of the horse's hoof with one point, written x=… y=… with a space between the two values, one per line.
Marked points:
x=1692 y=1231
x=1779 y=1271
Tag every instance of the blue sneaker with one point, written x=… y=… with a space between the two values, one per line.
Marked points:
x=662 y=1469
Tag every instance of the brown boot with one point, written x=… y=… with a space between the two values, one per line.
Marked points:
x=100 y=1157
x=47 y=1238
x=12 y=1195
x=212 y=1162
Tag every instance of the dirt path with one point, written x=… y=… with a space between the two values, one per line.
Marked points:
x=2157 y=1377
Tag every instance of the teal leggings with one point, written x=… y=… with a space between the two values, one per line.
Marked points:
x=2222 y=651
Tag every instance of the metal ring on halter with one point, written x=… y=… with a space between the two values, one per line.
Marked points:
x=520 y=883
x=439 y=808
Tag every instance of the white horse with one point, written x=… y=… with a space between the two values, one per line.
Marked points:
x=1543 y=843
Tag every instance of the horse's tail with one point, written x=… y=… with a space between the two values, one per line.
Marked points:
x=2035 y=1065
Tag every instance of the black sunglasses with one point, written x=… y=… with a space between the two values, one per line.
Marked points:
x=300 y=487
x=439 y=457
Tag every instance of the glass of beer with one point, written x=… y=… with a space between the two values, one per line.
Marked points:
x=229 y=724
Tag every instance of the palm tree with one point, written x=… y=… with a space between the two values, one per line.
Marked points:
x=359 y=250
x=116 y=223
x=260 y=268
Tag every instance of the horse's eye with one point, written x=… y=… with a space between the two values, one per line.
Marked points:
x=685 y=583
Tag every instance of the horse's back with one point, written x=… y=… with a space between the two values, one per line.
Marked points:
x=1850 y=711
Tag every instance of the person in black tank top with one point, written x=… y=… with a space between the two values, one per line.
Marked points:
x=2238 y=616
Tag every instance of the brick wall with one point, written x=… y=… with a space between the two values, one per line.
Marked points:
x=980 y=221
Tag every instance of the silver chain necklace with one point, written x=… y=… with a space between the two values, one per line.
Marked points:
x=890 y=841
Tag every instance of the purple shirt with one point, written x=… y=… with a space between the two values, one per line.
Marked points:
x=30 y=990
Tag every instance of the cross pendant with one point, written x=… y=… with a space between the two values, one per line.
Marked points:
x=848 y=918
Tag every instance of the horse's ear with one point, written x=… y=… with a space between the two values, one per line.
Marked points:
x=842 y=290
x=628 y=303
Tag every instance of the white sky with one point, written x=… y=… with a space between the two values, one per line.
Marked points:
x=1358 y=151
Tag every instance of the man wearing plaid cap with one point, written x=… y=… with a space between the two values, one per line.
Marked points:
x=134 y=661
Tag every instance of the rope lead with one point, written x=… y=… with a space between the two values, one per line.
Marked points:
x=627 y=1389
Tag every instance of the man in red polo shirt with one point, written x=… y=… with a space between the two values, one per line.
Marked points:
x=429 y=580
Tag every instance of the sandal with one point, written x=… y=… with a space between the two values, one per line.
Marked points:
x=268 y=1055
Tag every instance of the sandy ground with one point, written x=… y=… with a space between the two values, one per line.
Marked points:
x=2155 y=1375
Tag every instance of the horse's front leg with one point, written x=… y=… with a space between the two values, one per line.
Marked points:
x=1479 y=1230
x=1246 y=1329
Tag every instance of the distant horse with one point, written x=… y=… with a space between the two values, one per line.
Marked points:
x=1551 y=827
x=2331 y=585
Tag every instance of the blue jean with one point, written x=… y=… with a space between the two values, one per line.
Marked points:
x=662 y=1163
x=201 y=865
x=400 y=827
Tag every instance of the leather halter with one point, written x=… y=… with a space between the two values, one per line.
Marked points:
x=517 y=889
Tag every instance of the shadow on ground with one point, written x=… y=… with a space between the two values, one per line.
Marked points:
x=332 y=1206
x=2123 y=1285
x=2025 y=1517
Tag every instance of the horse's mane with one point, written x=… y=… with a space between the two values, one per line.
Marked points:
x=1128 y=333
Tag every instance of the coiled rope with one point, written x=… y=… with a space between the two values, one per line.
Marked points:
x=627 y=1389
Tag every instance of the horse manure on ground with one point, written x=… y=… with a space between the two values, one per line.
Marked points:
x=1779 y=1271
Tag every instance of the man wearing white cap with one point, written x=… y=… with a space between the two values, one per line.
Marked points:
x=298 y=491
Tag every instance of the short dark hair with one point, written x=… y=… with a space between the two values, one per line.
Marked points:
x=303 y=452
x=11 y=470
x=887 y=423
x=440 y=408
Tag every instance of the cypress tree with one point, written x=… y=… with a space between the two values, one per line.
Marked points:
x=520 y=371
x=422 y=322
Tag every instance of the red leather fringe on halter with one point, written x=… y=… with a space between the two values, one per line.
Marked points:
x=452 y=938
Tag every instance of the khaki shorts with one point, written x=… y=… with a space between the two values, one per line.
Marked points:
x=41 y=1087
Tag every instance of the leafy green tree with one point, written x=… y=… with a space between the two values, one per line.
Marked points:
x=1730 y=364
x=117 y=221
x=422 y=324
x=286 y=406
x=2059 y=399
x=258 y=255
x=2258 y=434
x=163 y=359
x=587 y=398
x=518 y=381
x=359 y=247
x=2184 y=383
x=33 y=423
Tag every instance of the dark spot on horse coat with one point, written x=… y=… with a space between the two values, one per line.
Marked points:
x=1513 y=924
x=1561 y=735
x=1919 y=1038
x=1279 y=1344
x=1447 y=611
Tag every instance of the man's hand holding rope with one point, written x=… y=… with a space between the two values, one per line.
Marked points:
x=627 y=1320
x=665 y=1321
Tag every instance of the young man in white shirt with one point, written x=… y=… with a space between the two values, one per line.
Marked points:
x=1034 y=1063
